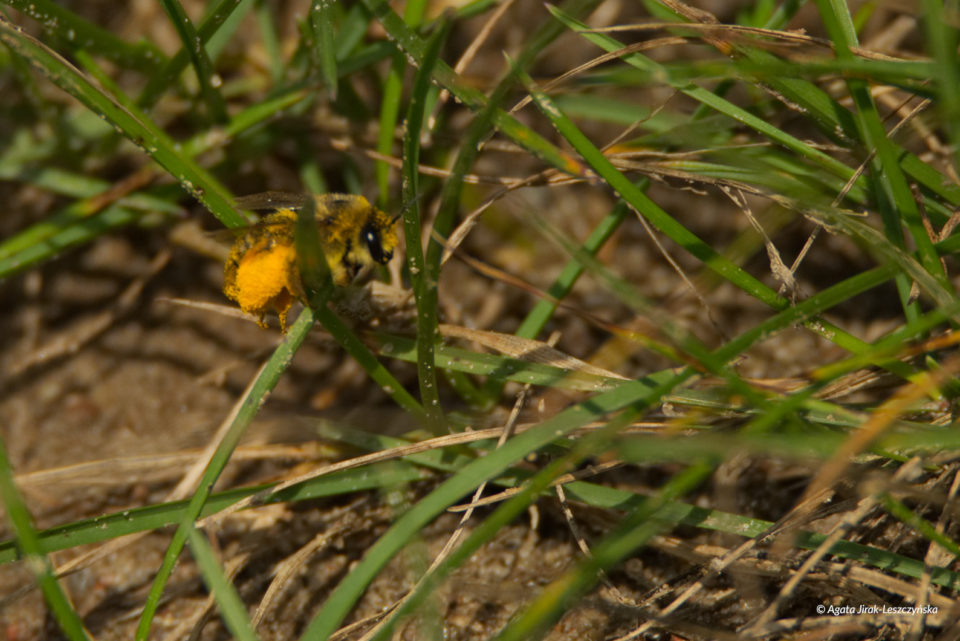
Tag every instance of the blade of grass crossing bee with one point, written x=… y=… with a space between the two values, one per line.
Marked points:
x=315 y=276
x=313 y=266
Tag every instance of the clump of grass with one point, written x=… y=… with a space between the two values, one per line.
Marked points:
x=811 y=144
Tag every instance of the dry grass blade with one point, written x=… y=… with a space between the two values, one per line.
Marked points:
x=850 y=519
x=882 y=419
x=776 y=39
x=499 y=497
x=936 y=556
x=151 y=468
x=286 y=572
x=526 y=349
x=440 y=442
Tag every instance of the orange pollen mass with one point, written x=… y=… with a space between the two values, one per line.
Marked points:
x=265 y=278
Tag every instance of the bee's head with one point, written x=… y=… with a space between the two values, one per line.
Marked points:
x=372 y=236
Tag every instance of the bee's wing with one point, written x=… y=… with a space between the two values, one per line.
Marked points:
x=231 y=234
x=272 y=200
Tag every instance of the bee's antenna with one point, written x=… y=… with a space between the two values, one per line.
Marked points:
x=406 y=207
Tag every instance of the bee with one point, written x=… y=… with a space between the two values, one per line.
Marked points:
x=261 y=271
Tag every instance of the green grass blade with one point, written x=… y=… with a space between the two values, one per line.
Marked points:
x=502 y=368
x=152 y=517
x=268 y=36
x=505 y=368
x=681 y=513
x=511 y=509
x=887 y=347
x=138 y=129
x=813 y=100
x=32 y=552
x=686 y=239
x=708 y=98
x=920 y=524
x=649 y=209
x=410 y=523
x=232 y=609
x=82 y=222
x=535 y=321
x=942 y=40
x=423 y=279
x=60 y=234
x=414 y=47
x=90 y=190
x=384 y=476
x=634 y=532
x=193 y=45
x=82 y=34
x=537 y=318
x=352 y=30
x=389 y=112
x=365 y=358
x=256 y=395
x=248 y=118
x=209 y=27
x=322 y=16
x=895 y=199
x=476 y=133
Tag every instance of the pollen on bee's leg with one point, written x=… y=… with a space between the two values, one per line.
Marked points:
x=262 y=281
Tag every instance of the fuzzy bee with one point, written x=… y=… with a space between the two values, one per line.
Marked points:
x=261 y=271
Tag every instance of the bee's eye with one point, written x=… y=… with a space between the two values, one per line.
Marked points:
x=375 y=246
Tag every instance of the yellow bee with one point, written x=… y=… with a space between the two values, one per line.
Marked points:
x=261 y=271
